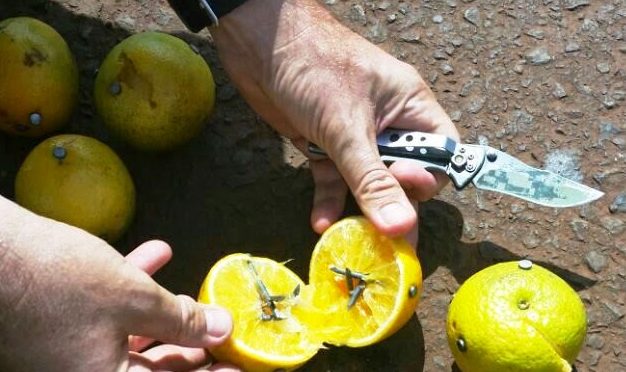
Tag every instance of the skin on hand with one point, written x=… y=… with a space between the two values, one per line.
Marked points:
x=69 y=301
x=315 y=80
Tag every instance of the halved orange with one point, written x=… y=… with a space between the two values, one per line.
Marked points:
x=260 y=294
x=363 y=287
x=366 y=284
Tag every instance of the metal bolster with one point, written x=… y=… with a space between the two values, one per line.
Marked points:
x=204 y=5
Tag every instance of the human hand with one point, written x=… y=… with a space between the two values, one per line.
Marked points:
x=69 y=301
x=314 y=80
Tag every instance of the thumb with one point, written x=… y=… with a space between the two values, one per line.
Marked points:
x=376 y=190
x=160 y=315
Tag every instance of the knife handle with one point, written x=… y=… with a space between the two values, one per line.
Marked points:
x=434 y=152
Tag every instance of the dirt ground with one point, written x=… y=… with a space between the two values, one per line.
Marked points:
x=543 y=80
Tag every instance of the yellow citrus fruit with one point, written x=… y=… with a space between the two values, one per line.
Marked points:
x=515 y=316
x=80 y=181
x=365 y=285
x=261 y=295
x=38 y=78
x=154 y=91
x=280 y=322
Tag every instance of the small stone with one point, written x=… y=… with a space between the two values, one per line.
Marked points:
x=439 y=54
x=437 y=18
x=163 y=17
x=384 y=5
x=530 y=241
x=574 y=4
x=572 y=46
x=596 y=261
x=439 y=362
x=538 y=56
x=466 y=89
x=612 y=224
x=619 y=95
x=559 y=91
x=377 y=33
x=126 y=22
x=536 y=34
x=433 y=77
x=456 y=41
x=619 y=204
x=580 y=228
x=518 y=68
x=469 y=231
x=410 y=37
x=603 y=67
x=472 y=15
x=620 y=142
x=517 y=208
x=594 y=358
x=608 y=130
x=589 y=25
x=357 y=15
x=446 y=69
x=609 y=102
x=595 y=341
x=455 y=116
x=391 y=18
x=476 y=105
x=615 y=311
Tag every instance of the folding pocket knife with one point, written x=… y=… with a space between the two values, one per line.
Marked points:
x=483 y=166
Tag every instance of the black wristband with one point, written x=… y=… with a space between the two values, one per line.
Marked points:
x=198 y=14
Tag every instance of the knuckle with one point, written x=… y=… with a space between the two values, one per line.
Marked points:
x=376 y=185
x=187 y=325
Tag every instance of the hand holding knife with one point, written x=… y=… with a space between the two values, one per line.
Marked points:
x=483 y=166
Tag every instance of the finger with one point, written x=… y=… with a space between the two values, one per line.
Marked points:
x=150 y=256
x=158 y=314
x=418 y=183
x=176 y=358
x=424 y=113
x=138 y=343
x=329 y=197
x=375 y=189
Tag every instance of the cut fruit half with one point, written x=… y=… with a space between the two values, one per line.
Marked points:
x=260 y=294
x=365 y=285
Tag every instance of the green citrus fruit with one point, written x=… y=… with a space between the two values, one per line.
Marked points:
x=38 y=78
x=154 y=91
x=80 y=181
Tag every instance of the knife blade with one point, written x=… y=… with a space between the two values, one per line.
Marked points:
x=483 y=166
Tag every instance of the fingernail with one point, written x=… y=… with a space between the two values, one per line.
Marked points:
x=218 y=322
x=393 y=214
